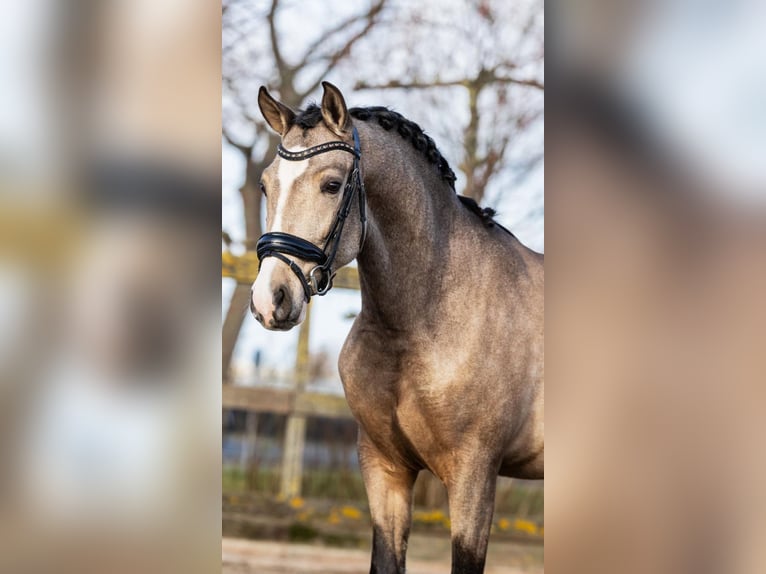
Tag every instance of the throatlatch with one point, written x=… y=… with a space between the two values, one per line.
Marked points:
x=280 y=245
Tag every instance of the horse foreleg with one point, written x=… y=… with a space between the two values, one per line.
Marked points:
x=389 y=492
x=472 y=503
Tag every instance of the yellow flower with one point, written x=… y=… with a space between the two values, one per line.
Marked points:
x=525 y=526
x=503 y=524
x=333 y=518
x=296 y=502
x=351 y=512
x=429 y=517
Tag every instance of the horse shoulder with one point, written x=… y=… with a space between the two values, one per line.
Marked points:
x=368 y=371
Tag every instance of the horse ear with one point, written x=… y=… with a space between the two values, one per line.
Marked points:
x=334 y=109
x=276 y=114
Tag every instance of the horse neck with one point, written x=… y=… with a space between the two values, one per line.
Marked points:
x=411 y=212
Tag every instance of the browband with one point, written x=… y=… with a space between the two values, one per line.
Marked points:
x=316 y=150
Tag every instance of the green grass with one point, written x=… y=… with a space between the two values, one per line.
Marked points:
x=513 y=498
x=520 y=499
x=335 y=485
x=302 y=533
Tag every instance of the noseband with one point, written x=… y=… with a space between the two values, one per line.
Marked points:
x=279 y=245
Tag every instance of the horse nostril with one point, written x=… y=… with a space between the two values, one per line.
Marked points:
x=282 y=304
x=279 y=296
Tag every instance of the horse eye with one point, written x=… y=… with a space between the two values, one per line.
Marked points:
x=331 y=187
x=263 y=188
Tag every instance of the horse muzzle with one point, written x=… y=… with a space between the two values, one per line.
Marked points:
x=276 y=299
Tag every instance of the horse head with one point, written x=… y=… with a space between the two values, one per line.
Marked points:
x=310 y=190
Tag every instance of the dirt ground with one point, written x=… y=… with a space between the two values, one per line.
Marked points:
x=426 y=555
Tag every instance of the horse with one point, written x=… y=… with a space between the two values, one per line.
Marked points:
x=443 y=366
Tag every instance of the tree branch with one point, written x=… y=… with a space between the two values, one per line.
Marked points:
x=530 y=82
x=374 y=10
x=343 y=51
x=271 y=18
x=241 y=104
x=490 y=164
x=417 y=84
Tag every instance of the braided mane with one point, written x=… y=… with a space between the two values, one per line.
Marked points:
x=410 y=131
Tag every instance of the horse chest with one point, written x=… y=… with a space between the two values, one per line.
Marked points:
x=400 y=433
x=403 y=423
x=415 y=399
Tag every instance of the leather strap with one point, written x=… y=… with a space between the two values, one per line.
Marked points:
x=278 y=244
x=316 y=150
x=289 y=244
x=295 y=269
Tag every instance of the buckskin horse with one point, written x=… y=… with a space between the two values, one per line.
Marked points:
x=443 y=367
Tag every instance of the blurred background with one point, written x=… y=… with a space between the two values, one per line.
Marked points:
x=109 y=325
x=656 y=275
x=469 y=73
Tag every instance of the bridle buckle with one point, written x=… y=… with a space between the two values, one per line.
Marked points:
x=320 y=287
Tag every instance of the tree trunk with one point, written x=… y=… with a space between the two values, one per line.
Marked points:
x=240 y=300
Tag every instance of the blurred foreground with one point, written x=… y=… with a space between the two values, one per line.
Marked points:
x=655 y=308
x=109 y=297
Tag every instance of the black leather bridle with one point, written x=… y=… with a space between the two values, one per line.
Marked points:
x=279 y=245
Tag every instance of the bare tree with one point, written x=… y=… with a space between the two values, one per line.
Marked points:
x=254 y=53
x=477 y=166
x=500 y=73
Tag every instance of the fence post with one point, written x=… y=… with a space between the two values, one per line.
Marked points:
x=295 y=432
x=247 y=454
